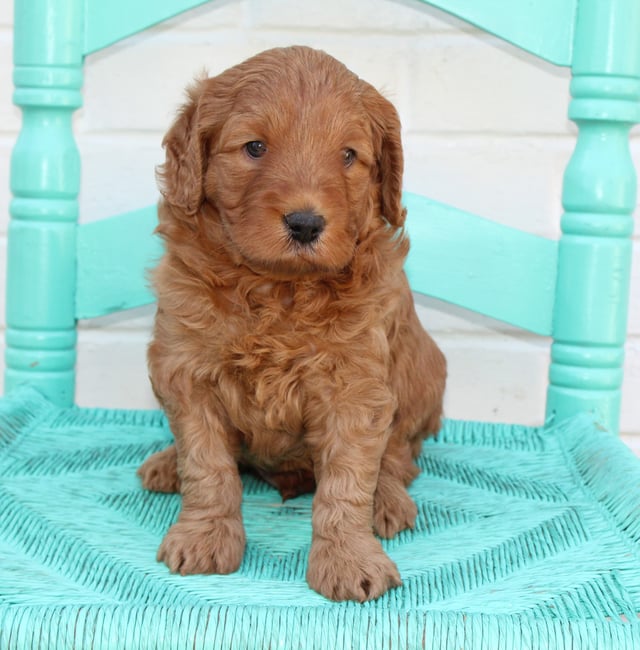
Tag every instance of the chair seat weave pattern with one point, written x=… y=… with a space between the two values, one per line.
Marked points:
x=525 y=538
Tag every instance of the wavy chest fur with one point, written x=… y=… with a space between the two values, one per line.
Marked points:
x=278 y=349
x=273 y=348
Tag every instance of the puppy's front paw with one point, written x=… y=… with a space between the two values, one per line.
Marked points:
x=393 y=510
x=359 y=570
x=202 y=546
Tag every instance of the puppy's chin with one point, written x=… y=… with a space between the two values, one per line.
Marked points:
x=300 y=262
x=271 y=252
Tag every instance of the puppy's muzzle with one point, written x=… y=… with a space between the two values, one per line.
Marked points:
x=304 y=227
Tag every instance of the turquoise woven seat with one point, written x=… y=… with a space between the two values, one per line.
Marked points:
x=526 y=537
x=521 y=542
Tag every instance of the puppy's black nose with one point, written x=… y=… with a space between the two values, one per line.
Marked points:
x=304 y=227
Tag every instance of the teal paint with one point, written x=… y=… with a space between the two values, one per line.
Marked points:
x=45 y=180
x=599 y=196
x=481 y=265
x=110 y=21
x=115 y=257
x=542 y=27
x=522 y=540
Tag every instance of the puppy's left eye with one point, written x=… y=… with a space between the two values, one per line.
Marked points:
x=255 y=148
x=348 y=157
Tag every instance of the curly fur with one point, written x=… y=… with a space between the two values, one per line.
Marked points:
x=304 y=361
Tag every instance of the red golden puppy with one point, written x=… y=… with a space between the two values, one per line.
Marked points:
x=286 y=337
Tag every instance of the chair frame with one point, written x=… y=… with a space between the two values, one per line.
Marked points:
x=575 y=290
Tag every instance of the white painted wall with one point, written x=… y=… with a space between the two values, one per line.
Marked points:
x=485 y=128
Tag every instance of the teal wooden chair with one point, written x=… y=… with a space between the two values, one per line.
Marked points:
x=526 y=537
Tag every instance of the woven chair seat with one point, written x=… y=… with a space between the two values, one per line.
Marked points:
x=525 y=538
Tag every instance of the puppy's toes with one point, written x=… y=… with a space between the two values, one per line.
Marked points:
x=203 y=546
x=357 y=571
x=159 y=472
x=393 y=510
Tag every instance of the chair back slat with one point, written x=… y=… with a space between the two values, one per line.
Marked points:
x=481 y=265
x=109 y=22
x=115 y=256
x=544 y=27
x=455 y=256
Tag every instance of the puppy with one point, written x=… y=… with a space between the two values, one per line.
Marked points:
x=286 y=337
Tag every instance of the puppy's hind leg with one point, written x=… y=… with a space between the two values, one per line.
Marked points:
x=159 y=473
x=393 y=508
x=418 y=378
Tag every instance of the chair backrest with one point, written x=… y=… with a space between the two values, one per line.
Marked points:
x=575 y=290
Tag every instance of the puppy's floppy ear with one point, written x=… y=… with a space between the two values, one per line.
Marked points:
x=182 y=174
x=388 y=144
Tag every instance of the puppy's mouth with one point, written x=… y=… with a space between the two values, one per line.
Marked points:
x=297 y=244
x=299 y=260
x=311 y=247
x=303 y=245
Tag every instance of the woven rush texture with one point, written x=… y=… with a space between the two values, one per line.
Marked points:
x=525 y=538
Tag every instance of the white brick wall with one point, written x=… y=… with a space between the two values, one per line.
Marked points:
x=485 y=128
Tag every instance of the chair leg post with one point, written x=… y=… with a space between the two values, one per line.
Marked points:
x=599 y=196
x=45 y=181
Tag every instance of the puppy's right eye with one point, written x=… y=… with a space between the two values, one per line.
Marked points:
x=255 y=148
